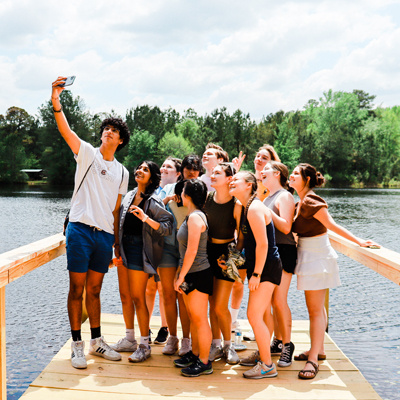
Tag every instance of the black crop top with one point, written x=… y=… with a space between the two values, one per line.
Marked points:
x=132 y=224
x=221 y=221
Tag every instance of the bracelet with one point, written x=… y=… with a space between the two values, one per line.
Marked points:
x=57 y=111
x=145 y=218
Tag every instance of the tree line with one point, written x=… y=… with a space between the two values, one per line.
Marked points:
x=342 y=134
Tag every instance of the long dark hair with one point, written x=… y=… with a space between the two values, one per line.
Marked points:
x=155 y=177
x=197 y=191
x=308 y=171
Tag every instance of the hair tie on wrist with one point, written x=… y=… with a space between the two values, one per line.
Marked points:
x=57 y=111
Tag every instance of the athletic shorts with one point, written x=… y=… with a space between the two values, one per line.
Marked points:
x=288 y=254
x=201 y=281
x=88 y=248
x=272 y=271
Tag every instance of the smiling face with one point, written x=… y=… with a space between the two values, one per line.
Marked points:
x=143 y=174
x=169 y=173
x=219 y=178
x=238 y=185
x=296 y=181
x=268 y=174
x=210 y=159
x=110 y=136
x=262 y=157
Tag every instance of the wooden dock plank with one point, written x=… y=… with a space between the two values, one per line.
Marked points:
x=157 y=378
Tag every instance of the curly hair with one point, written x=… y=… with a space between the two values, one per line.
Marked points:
x=122 y=127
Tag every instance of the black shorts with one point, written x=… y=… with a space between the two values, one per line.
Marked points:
x=272 y=271
x=288 y=254
x=201 y=281
x=214 y=251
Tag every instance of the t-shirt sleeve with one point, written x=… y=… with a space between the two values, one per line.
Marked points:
x=85 y=154
x=124 y=186
x=311 y=205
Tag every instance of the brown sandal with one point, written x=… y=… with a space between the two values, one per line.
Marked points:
x=304 y=357
x=313 y=373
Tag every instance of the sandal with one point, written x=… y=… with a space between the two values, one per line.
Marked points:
x=304 y=357
x=309 y=371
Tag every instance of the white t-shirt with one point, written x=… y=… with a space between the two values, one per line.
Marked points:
x=96 y=199
x=207 y=180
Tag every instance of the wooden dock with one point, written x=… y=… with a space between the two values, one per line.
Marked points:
x=157 y=378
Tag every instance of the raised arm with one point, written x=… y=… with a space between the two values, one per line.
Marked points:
x=326 y=219
x=67 y=133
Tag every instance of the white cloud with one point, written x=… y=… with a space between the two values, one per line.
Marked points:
x=260 y=56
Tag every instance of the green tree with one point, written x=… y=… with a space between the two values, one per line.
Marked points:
x=18 y=131
x=142 y=146
x=174 y=146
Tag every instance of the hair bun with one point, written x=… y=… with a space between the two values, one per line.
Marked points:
x=320 y=179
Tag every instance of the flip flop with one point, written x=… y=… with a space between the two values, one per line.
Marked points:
x=313 y=373
x=304 y=357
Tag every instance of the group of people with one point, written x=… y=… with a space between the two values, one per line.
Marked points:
x=176 y=227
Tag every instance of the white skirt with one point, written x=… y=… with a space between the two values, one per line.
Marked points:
x=316 y=266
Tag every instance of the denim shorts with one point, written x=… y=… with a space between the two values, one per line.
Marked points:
x=88 y=248
x=133 y=249
x=170 y=257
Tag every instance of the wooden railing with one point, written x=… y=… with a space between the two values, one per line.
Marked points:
x=19 y=262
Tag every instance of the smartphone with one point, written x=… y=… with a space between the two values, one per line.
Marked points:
x=68 y=82
x=186 y=287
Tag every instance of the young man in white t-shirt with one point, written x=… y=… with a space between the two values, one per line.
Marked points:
x=212 y=156
x=100 y=182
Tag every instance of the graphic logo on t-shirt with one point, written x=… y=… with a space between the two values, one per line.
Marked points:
x=103 y=172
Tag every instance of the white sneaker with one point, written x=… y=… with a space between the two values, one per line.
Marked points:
x=124 y=345
x=98 y=347
x=186 y=346
x=215 y=352
x=171 y=346
x=78 y=359
x=141 y=354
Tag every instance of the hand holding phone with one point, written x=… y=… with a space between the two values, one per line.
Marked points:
x=68 y=81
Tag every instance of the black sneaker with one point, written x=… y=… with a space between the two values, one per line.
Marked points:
x=285 y=359
x=276 y=347
x=197 y=369
x=162 y=335
x=186 y=360
x=150 y=332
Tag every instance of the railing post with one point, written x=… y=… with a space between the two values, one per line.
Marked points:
x=3 y=365
x=327 y=309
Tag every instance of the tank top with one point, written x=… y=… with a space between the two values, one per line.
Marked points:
x=280 y=237
x=200 y=262
x=250 y=241
x=222 y=223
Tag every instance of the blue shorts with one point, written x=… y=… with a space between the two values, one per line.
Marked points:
x=170 y=257
x=133 y=249
x=88 y=248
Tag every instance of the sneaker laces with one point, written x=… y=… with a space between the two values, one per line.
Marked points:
x=79 y=351
x=275 y=342
x=285 y=355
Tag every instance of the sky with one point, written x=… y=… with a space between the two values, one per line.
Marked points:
x=259 y=56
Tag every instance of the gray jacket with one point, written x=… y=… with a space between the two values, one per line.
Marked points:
x=153 y=241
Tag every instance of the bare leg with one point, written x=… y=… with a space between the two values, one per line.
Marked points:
x=197 y=303
x=167 y=276
x=128 y=309
x=184 y=317
x=259 y=302
x=77 y=282
x=94 y=281
x=315 y=300
x=215 y=328
x=221 y=293
x=137 y=286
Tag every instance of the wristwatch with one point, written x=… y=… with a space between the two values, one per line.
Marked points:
x=255 y=275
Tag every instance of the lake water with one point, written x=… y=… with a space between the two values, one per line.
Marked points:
x=364 y=311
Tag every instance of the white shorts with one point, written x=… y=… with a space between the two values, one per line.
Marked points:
x=316 y=266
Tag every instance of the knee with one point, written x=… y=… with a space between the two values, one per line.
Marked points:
x=169 y=297
x=221 y=311
x=126 y=298
x=139 y=299
x=75 y=292
x=93 y=290
x=151 y=290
